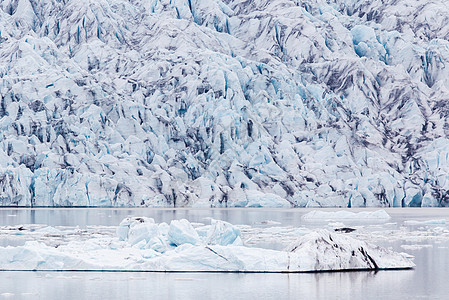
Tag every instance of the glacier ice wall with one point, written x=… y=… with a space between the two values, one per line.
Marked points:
x=263 y=103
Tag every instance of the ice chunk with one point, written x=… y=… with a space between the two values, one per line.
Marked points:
x=157 y=243
x=123 y=229
x=150 y=253
x=222 y=233
x=164 y=228
x=427 y=222
x=268 y=222
x=325 y=250
x=416 y=246
x=142 y=232
x=49 y=230
x=182 y=232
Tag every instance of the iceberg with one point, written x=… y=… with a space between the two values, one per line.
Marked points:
x=220 y=250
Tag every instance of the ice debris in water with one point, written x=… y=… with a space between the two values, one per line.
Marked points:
x=143 y=245
x=426 y=222
x=346 y=215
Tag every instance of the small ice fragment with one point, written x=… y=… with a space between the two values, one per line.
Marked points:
x=28 y=294
x=427 y=222
x=416 y=246
x=195 y=224
x=439 y=229
x=6 y=294
x=344 y=229
x=49 y=230
x=336 y=224
x=122 y=230
x=267 y=222
x=407 y=255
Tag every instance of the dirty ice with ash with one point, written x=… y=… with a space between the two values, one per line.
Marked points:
x=273 y=103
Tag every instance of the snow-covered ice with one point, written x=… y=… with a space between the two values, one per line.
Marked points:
x=186 y=248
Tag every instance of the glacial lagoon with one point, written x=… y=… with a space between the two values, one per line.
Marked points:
x=423 y=233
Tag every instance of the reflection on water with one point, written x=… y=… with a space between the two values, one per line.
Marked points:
x=427 y=281
x=337 y=285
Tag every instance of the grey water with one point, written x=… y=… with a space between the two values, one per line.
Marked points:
x=429 y=280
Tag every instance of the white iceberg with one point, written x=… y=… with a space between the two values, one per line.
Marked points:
x=220 y=250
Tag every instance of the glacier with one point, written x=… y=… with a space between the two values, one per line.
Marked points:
x=141 y=244
x=209 y=103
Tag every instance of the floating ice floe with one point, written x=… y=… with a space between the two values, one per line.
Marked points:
x=416 y=246
x=346 y=215
x=143 y=245
x=427 y=222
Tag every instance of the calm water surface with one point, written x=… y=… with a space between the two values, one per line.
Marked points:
x=429 y=280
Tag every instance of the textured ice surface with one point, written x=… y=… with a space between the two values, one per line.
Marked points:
x=182 y=232
x=273 y=103
x=223 y=233
x=220 y=250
